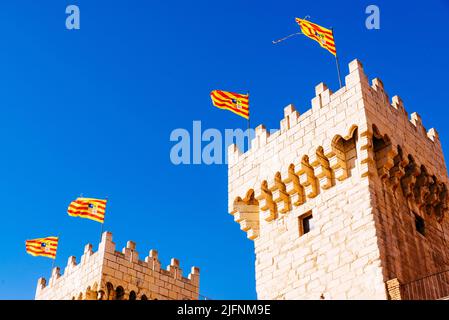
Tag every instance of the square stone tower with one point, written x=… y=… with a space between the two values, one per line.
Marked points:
x=345 y=201
x=108 y=274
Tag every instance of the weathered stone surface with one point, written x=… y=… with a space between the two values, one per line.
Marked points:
x=109 y=274
x=365 y=171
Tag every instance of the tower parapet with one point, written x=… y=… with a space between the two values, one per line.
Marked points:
x=108 y=274
x=355 y=162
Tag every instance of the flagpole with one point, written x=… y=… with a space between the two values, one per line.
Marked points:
x=336 y=60
x=101 y=231
x=286 y=37
x=249 y=126
x=102 y=224
x=56 y=254
x=338 y=70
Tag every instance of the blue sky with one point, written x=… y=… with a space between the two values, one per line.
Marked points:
x=91 y=111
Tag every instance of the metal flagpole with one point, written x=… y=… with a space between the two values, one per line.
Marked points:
x=249 y=127
x=101 y=230
x=290 y=35
x=285 y=38
x=52 y=266
x=56 y=254
x=102 y=224
x=336 y=59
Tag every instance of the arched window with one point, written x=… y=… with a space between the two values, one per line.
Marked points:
x=132 y=295
x=143 y=297
x=109 y=291
x=119 y=293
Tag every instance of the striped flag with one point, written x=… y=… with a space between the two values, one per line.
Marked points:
x=88 y=208
x=323 y=36
x=234 y=102
x=44 y=247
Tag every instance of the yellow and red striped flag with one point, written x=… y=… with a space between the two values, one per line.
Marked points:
x=323 y=36
x=234 y=102
x=88 y=208
x=44 y=247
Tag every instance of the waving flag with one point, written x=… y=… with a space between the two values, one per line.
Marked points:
x=234 y=102
x=44 y=247
x=323 y=36
x=88 y=208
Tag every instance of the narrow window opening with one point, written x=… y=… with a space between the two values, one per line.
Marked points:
x=419 y=224
x=306 y=223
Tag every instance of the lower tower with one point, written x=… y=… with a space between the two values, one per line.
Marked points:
x=345 y=201
x=108 y=274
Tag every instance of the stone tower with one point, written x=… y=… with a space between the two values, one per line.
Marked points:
x=345 y=201
x=112 y=275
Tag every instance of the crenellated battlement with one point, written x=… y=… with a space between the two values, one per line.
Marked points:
x=398 y=110
x=327 y=105
x=319 y=149
x=73 y=272
x=100 y=274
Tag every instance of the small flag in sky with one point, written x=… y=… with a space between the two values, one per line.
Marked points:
x=44 y=247
x=88 y=208
x=234 y=102
x=323 y=36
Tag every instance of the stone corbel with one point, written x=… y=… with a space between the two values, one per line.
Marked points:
x=397 y=171
x=337 y=162
x=442 y=208
x=322 y=169
x=266 y=204
x=307 y=178
x=246 y=213
x=409 y=179
x=432 y=198
x=294 y=188
x=280 y=196
x=421 y=189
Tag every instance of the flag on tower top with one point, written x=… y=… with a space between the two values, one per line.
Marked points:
x=44 y=247
x=234 y=102
x=325 y=37
x=88 y=208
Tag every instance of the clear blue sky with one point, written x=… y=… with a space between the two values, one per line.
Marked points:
x=91 y=112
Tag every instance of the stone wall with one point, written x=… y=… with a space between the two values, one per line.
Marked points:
x=339 y=161
x=408 y=181
x=79 y=280
x=112 y=275
x=147 y=277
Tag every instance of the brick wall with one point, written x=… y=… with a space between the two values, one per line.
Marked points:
x=408 y=180
x=109 y=274
x=340 y=160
